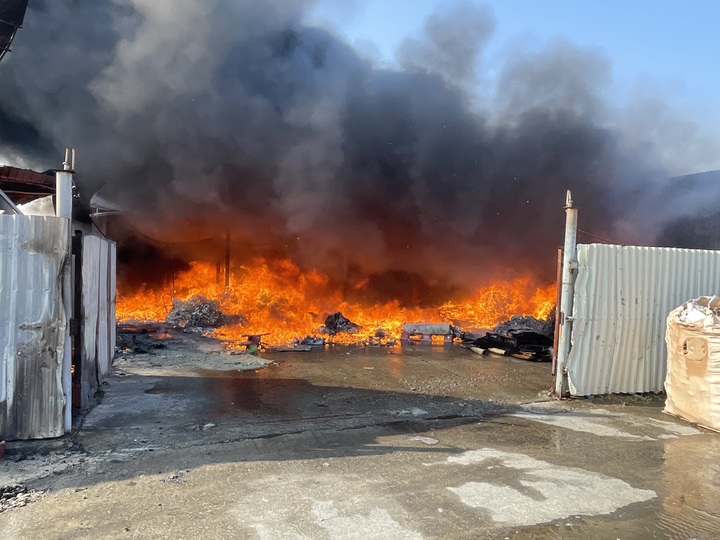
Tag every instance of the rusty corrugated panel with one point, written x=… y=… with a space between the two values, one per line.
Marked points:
x=32 y=326
x=24 y=185
x=623 y=295
x=26 y=176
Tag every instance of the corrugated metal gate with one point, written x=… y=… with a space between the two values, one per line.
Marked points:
x=98 y=298
x=623 y=295
x=33 y=325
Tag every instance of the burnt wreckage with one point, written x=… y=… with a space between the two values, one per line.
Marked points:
x=527 y=338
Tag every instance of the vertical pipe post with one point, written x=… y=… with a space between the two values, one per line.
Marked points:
x=172 y=274
x=227 y=258
x=558 y=293
x=63 y=190
x=566 y=294
x=63 y=209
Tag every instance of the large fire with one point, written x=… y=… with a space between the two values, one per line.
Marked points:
x=277 y=297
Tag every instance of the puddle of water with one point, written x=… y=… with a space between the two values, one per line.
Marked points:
x=252 y=392
x=691 y=487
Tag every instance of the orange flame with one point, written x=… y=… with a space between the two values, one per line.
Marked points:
x=281 y=299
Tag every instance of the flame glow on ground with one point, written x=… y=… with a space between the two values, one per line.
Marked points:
x=281 y=299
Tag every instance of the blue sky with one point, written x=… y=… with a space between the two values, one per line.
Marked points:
x=666 y=46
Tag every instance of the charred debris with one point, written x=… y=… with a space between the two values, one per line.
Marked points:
x=521 y=337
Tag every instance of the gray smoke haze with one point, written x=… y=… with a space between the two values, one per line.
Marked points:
x=213 y=114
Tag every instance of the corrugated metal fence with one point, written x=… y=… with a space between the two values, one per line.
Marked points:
x=33 y=325
x=33 y=322
x=98 y=282
x=623 y=295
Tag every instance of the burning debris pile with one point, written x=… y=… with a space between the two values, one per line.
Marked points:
x=335 y=324
x=290 y=303
x=198 y=314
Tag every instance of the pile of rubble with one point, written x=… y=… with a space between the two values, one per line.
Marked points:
x=199 y=315
x=518 y=324
x=17 y=495
x=524 y=337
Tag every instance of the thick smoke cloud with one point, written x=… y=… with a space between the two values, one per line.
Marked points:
x=215 y=114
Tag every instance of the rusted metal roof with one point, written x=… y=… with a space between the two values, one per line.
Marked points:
x=27 y=176
x=23 y=185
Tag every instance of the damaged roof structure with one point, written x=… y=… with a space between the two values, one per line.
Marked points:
x=12 y=13
x=25 y=185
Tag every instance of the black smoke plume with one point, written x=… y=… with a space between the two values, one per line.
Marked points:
x=208 y=116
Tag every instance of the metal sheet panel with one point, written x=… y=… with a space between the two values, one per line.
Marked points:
x=98 y=277
x=623 y=295
x=112 y=321
x=33 y=250
x=103 y=349
x=90 y=285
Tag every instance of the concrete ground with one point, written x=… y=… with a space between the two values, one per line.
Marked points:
x=368 y=443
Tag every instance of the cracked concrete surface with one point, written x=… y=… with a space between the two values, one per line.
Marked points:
x=417 y=443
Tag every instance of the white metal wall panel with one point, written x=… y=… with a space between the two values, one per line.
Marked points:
x=112 y=321
x=90 y=286
x=98 y=278
x=33 y=250
x=623 y=295
x=103 y=352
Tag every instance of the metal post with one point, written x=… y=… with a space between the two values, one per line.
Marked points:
x=172 y=274
x=63 y=209
x=558 y=293
x=227 y=258
x=566 y=295
x=63 y=190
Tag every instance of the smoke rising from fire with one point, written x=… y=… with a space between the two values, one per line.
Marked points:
x=215 y=115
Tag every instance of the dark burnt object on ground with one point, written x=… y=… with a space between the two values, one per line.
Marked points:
x=525 y=337
x=337 y=322
x=518 y=323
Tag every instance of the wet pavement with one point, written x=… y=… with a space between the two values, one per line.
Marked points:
x=403 y=442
